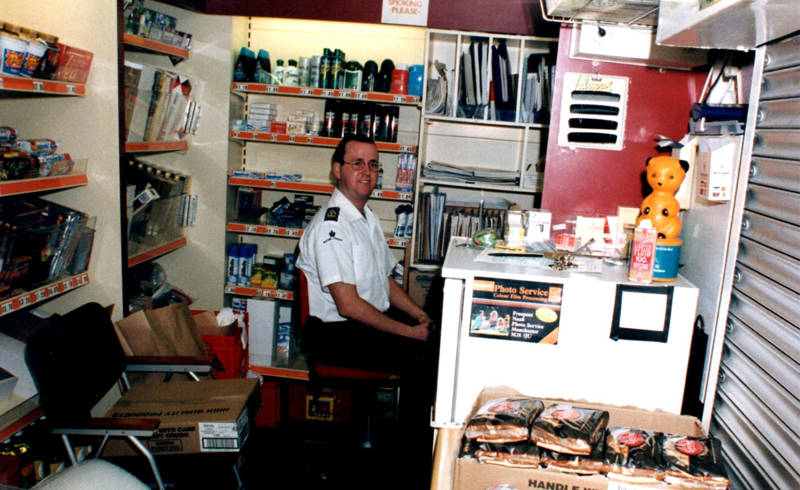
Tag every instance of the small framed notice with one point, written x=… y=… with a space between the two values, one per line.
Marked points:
x=642 y=313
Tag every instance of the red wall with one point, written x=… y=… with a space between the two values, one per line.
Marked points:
x=503 y=16
x=588 y=180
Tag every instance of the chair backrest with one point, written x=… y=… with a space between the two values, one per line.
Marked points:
x=75 y=359
x=302 y=293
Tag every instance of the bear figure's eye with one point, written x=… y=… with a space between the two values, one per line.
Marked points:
x=647 y=210
x=665 y=212
x=671 y=177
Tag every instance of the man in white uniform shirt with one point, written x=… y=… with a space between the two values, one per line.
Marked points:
x=348 y=266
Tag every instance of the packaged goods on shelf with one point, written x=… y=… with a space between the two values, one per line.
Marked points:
x=41 y=242
x=156 y=103
x=154 y=25
x=73 y=64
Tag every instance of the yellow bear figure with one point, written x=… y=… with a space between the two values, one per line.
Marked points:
x=665 y=175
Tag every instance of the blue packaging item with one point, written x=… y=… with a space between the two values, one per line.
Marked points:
x=665 y=267
x=244 y=70
x=232 y=275
x=416 y=77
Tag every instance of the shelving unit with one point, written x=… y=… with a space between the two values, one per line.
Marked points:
x=43 y=293
x=43 y=184
x=155 y=146
x=132 y=41
x=476 y=137
x=11 y=188
x=305 y=140
x=83 y=117
x=308 y=159
x=35 y=86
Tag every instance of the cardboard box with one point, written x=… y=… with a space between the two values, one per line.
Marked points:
x=196 y=417
x=451 y=472
x=73 y=64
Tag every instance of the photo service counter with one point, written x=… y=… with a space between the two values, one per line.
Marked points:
x=594 y=336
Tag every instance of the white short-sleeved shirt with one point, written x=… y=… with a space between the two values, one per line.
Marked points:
x=341 y=245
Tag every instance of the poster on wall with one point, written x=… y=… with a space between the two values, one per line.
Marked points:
x=405 y=12
x=522 y=311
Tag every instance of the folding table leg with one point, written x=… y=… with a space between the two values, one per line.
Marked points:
x=147 y=454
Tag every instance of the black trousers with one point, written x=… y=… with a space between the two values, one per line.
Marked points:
x=353 y=344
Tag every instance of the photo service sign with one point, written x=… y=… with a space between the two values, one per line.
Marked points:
x=405 y=12
x=516 y=310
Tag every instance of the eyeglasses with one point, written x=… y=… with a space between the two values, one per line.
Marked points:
x=360 y=164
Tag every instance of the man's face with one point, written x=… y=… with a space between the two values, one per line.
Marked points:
x=357 y=184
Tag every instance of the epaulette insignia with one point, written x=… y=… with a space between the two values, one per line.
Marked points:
x=332 y=214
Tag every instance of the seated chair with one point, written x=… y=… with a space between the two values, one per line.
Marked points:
x=365 y=384
x=76 y=359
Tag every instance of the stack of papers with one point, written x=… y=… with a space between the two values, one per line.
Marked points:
x=451 y=172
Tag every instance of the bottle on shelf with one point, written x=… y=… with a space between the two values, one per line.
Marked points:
x=290 y=74
x=263 y=69
x=277 y=74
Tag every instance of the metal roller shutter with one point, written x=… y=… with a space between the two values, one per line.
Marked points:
x=756 y=410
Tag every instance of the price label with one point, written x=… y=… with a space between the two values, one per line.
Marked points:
x=272 y=89
x=327 y=93
x=405 y=195
x=71 y=89
x=24 y=301
x=1 y=82
x=399 y=98
x=250 y=228
x=405 y=149
x=7 y=307
x=306 y=91
x=361 y=96
x=51 y=290
x=40 y=295
x=345 y=94
x=241 y=86
x=38 y=86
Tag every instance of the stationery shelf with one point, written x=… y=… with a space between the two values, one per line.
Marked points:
x=484 y=136
x=268 y=89
x=305 y=140
x=42 y=293
x=135 y=42
x=36 y=86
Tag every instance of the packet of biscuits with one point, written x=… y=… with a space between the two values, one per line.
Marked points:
x=504 y=420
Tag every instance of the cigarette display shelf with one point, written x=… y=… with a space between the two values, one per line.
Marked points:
x=324 y=93
x=259 y=292
x=42 y=293
x=313 y=187
x=156 y=251
x=307 y=140
x=38 y=86
x=286 y=232
x=155 y=146
x=134 y=42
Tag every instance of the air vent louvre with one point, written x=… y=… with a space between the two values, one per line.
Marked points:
x=593 y=111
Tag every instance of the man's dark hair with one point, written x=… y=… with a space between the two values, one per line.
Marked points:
x=338 y=154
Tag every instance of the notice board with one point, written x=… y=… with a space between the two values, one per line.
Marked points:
x=522 y=311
